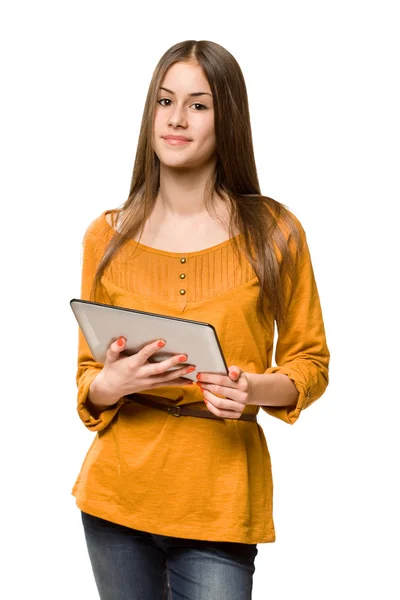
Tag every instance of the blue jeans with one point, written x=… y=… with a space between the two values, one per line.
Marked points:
x=134 y=565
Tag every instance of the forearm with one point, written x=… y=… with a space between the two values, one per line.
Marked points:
x=275 y=389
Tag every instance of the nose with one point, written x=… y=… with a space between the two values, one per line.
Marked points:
x=177 y=117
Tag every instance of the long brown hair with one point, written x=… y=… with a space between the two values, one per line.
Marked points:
x=234 y=178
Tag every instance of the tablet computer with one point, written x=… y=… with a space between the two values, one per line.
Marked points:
x=103 y=324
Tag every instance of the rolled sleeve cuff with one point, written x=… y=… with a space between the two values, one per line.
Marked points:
x=94 y=423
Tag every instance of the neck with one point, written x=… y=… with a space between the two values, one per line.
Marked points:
x=181 y=192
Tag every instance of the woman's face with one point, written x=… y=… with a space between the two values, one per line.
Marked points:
x=184 y=108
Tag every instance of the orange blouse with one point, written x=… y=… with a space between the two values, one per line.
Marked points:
x=189 y=477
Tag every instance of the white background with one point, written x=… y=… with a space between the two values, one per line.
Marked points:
x=322 y=81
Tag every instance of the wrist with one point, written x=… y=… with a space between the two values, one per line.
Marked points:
x=101 y=395
x=251 y=393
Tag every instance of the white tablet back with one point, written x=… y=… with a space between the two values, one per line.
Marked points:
x=102 y=324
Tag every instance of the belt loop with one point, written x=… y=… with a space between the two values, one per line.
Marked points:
x=174 y=410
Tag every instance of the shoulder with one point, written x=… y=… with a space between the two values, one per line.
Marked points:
x=297 y=232
x=100 y=229
x=287 y=222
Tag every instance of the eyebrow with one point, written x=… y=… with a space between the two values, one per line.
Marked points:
x=193 y=94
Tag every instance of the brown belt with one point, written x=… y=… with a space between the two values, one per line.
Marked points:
x=183 y=411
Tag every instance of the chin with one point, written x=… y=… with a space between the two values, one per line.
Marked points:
x=181 y=165
x=176 y=161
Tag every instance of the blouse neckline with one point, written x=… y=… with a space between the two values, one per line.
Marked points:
x=160 y=252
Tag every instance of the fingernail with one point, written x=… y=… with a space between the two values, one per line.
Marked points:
x=183 y=358
x=190 y=369
x=235 y=374
x=161 y=343
x=120 y=341
x=198 y=376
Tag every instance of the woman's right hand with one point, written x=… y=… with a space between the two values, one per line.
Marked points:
x=123 y=375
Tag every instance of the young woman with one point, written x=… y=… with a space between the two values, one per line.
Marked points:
x=175 y=507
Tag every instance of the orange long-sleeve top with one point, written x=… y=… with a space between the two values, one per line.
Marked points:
x=190 y=477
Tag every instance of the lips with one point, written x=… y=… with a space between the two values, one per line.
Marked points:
x=176 y=137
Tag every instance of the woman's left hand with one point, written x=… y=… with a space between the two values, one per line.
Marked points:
x=234 y=388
